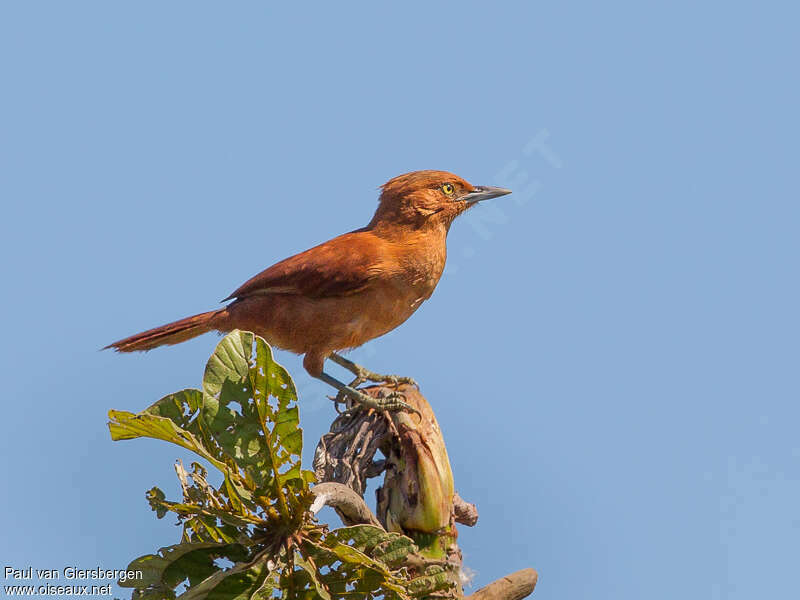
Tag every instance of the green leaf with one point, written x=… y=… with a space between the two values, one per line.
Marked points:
x=180 y=407
x=126 y=426
x=394 y=550
x=164 y=571
x=261 y=435
x=243 y=581
x=157 y=499
x=359 y=551
x=435 y=579
x=314 y=576
x=368 y=537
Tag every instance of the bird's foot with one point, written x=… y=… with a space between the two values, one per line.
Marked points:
x=389 y=401
x=363 y=374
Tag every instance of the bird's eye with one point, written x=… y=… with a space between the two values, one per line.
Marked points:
x=448 y=189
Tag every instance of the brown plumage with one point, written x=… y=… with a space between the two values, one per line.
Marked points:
x=350 y=289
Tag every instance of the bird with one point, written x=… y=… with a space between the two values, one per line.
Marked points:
x=347 y=291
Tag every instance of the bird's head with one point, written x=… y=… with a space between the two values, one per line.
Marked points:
x=428 y=199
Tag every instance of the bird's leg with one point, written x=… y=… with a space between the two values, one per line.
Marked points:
x=363 y=374
x=389 y=402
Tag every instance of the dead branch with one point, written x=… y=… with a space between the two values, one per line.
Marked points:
x=350 y=507
x=466 y=513
x=346 y=454
x=515 y=586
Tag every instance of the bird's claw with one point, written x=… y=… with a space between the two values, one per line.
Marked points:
x=396 y=380
x=395 y=401
x=363 y=375
x=339 y=399
x=391 y=401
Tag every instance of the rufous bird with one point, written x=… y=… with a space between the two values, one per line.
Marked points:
x=348 y=290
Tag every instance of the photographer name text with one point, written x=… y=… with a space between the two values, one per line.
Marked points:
x=70 y=573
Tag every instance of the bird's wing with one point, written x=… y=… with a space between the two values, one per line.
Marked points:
x=339 y=267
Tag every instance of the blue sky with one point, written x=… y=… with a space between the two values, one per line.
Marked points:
x=612 y=352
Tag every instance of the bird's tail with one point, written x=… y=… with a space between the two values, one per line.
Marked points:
x=171 y=333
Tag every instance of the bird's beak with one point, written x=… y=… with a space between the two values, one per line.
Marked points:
x=484 y=192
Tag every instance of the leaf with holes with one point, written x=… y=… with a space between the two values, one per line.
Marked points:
x=240 y=379
x=124 y=425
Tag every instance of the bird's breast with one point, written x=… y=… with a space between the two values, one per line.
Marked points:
x=405 y=277
x=422 y=263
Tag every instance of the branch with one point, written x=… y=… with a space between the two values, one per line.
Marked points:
x=511 y=587
x=466 y=513
x=350 y=507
